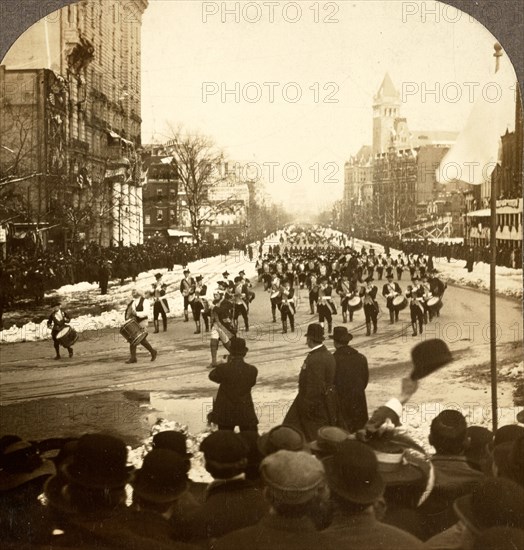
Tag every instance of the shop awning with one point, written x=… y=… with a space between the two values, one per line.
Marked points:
x=486 y=212
x=178 y=233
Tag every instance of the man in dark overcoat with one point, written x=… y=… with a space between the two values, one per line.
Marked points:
x=314 y=405
x=351 y=380
x=233 y=405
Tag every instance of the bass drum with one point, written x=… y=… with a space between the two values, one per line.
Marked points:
x=355 y=303
x=67 y=337
x=434 y=303
x=399 y=303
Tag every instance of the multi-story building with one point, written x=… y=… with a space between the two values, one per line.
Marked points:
x=93 y=48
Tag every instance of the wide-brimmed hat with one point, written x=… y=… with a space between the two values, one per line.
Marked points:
x=495 y=502
x=315 y=331
x=341 y=335
x=173 y=441
x=99 y=461
x=292 y=477
x=428 y=356
x=21 y=463
x=281 y=438
x=352 y=473
x=328 y=440
x=238 y=346
x=163 y=476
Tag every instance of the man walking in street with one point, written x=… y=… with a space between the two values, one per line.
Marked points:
x=314 y=405
x=351 y=380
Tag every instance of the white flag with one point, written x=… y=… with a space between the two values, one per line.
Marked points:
x=476 y=152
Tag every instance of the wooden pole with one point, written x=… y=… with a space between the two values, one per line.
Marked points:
x=493 y=280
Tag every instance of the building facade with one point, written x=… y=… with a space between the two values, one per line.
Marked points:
x=94 y=48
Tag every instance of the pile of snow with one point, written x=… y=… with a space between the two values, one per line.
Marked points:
x=515 y=371
x=119 y=296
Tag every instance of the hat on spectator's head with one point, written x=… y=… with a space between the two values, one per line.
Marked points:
x=352 y=473
x=173 y=441
x=292 y=477
x=21 y=463
x=341 y=335
x=315 y=331
x=224 y=449
x=238 y=347
x=520 y=417
x=495 y=502
x=328 y=440
x=158 y=275
x=509 y=432
x=428 y=356
x=162 y=478
x=282 y=438
x=98 y=461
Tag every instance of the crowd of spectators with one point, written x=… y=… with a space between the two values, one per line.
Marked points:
x=274 y=491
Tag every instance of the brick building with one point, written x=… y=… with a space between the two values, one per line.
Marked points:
x=94 y=48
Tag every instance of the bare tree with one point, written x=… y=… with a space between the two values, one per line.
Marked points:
x=198 y=160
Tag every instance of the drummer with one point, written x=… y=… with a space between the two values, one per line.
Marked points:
x=56 y=322
x=139 y=309
x=436 y=288
x=390 y=291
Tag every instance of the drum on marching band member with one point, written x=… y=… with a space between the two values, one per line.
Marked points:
x=326 y=308
x=56 y=322
x=368 y=293
x=222 y=329
x=240 y=302
x=415 y=293
x=274 y=291
x=313 y=287
x=139 y=309
x=187 y=285
x=160 y=305
x=287 y=307
x=390 y=291
x=200 y=305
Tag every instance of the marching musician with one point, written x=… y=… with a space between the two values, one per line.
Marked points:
x=302 y=275
x=230 y=285
x=345 y=292
x=390 y=291
x=240 y=300
x=436 y=288
x=287 y=307
x=290 y=272
x=160 y=306
x=326 y=308
x=187 y=289
x=381 y=264
x=249 y=286
x=222 y=329
x=369 y=295
x=400 y=266
x=275 y=296
x=415 y=293
x=313 y=287
x=199 y=305
x=139 y=309
x=425 y=285
x=56 y=322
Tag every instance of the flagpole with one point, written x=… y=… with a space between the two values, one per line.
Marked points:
x=492 y=277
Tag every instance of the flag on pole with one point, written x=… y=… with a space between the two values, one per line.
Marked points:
x=476 y=152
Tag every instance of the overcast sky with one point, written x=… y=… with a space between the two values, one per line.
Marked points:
x=344 y=61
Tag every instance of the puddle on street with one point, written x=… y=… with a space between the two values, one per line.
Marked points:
x=127 y=414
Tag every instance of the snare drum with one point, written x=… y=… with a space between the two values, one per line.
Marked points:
x=355 y=303
x=133 y=332
x=434 y=303
x=399 y=303
x=67 y=337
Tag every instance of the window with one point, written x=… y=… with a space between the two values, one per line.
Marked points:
x=172 y=194
x=159 y=215
x=148 y=219
x=172 y=214
x=159 y=192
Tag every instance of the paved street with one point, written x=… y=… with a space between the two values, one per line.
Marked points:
x=96 y=390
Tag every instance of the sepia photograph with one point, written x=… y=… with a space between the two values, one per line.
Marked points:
x=261 y=275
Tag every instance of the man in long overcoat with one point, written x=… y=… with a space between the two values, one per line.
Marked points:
x=351 y=380
x=314 y=405
x=233 y=405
